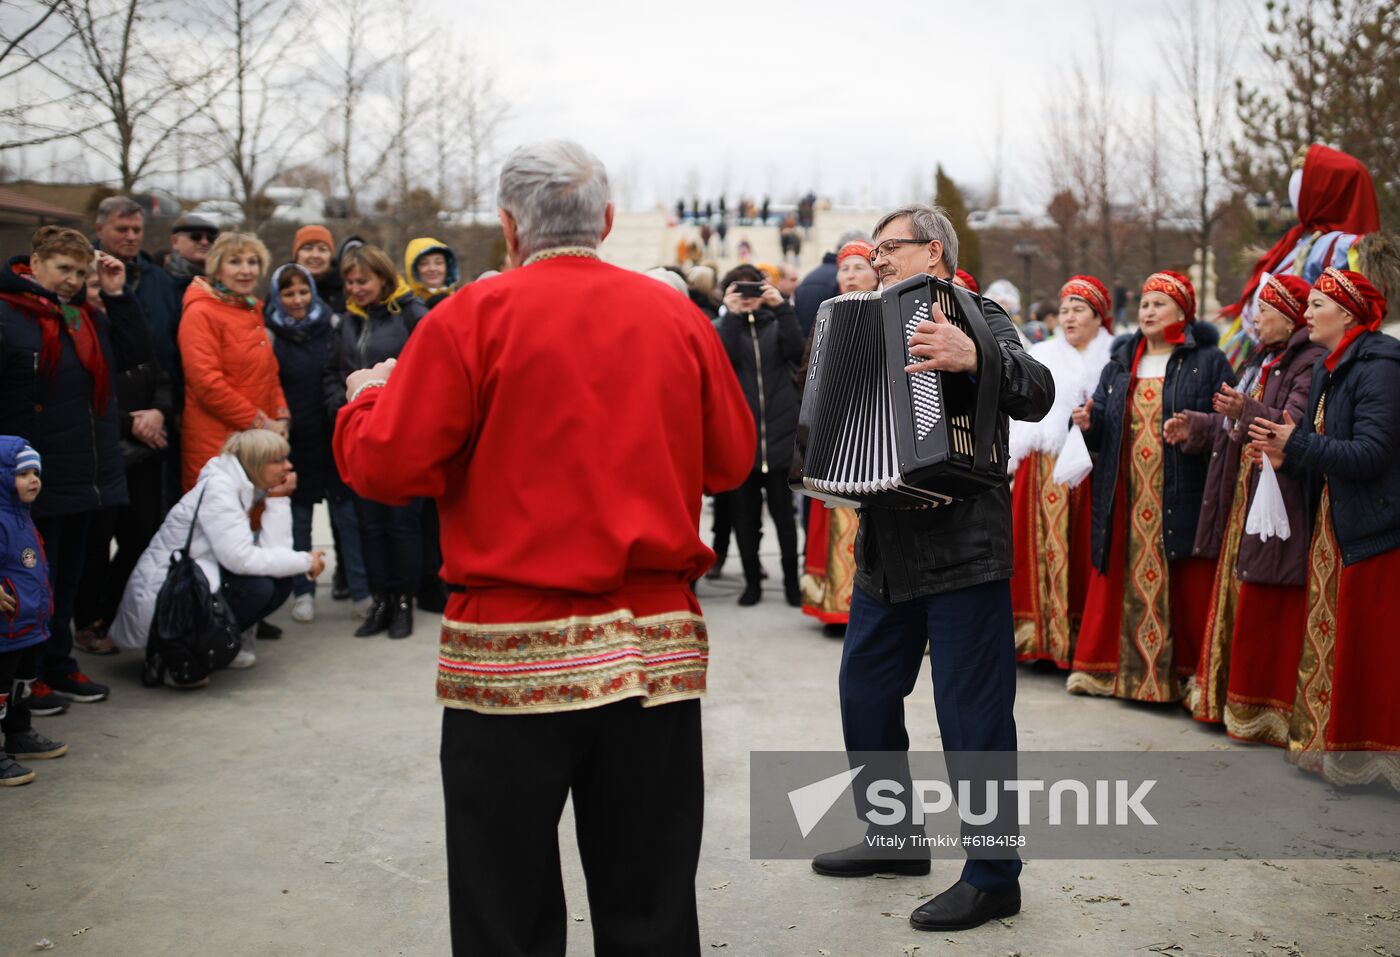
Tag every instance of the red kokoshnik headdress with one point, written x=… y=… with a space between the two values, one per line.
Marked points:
x=1092 y=291
x=968 y=280
x=856 y=247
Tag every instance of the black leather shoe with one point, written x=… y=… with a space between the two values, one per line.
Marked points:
x=268 y=632
x=753 y=591
x=400 y=615
x=376 y=619
x=962 y=907
x=855 y=861
x=340 y=588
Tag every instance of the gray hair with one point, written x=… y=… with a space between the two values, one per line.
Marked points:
x=926 y=224
x=851 y=236
x=557 y=193
x=118 y=207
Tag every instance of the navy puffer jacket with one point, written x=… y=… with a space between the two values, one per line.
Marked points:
x=1359 y=451
x=1195 y=370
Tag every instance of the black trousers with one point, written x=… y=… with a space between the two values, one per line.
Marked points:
x=637 y=782
x=132 y=525
x=748 y=521
x=391 y=537
x=723 y=525
x=17 y=670
x=253 y=597
x=65 y=546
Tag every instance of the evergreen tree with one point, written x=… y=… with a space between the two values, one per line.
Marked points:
x=1335 y=81
x=951 y=199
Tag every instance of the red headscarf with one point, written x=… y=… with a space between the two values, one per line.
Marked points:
x=55 y=318
x=856 y=247
x=1354 y=293
x=1337 y=195
x=1179 y=290
x=1092 y=291
x=1288 y=294
x=967 y=281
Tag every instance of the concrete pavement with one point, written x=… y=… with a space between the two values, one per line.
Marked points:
x=295 y=809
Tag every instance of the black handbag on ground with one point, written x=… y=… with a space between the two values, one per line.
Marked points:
x=193 y=631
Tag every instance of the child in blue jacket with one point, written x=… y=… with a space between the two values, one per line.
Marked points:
x=26 y=604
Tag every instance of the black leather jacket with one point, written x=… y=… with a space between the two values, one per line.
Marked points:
x=903 y=554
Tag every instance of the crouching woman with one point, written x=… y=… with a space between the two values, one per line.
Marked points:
x=242 y=540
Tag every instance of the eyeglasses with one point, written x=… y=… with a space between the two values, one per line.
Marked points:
x=200 y=235
x=887 y=247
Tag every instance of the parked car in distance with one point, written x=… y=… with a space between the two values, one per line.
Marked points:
x=224 y=213
x=296 y=205
x=158 y=204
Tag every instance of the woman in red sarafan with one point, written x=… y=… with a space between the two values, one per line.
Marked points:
x=1147 y=602
x=829 y=567
x=1051 y=522
x=1344 y=723
x=1249 y=658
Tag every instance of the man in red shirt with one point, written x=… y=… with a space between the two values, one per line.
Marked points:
x=567 y=416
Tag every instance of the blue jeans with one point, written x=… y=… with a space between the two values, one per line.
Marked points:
x=973 y=659
x=253 y=597
x=348 y=526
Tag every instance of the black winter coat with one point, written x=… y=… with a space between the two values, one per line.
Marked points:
x=142 y=383
x=161 y=302
x=1359 y=451
x=1195 y=370
x=83 y=465
x=304 y=355
x=816 y=287
x=364 y=342
x=763 y=348
x=902 y=554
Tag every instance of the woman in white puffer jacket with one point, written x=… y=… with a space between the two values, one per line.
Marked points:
x=242 y=540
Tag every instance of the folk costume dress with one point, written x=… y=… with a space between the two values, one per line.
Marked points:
x=1253 y=635
x=1147 y=600
x=1345 y=724
x=829 y=563
x=567 y=416
x=1338 y=225
x=1052 y=523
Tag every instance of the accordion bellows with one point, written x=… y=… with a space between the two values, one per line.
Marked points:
x=878 y=436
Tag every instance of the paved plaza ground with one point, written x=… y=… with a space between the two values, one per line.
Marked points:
x=295 y=809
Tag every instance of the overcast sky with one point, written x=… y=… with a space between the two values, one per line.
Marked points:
x=854 y=100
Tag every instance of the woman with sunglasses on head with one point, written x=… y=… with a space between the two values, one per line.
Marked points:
x=1051 y=522
x=1147 y=601
x=1249 y=654
x=1345 y=724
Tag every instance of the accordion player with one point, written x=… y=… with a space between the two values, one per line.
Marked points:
x=878 y=436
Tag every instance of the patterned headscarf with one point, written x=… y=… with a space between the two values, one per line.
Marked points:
x=1355 y=294
x=1092 y=291
x=1179 y=290
x=1288 y=294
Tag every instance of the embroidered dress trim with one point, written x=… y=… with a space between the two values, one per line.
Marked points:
x=578 y=252
x=572 y=663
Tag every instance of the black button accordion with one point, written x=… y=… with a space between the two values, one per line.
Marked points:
x=879 y=436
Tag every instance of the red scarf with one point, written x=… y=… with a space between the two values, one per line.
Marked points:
x=77 y=321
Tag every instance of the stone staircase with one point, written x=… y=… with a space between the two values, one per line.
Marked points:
x=643 y=240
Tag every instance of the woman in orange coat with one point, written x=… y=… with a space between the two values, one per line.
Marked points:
x=231 y=380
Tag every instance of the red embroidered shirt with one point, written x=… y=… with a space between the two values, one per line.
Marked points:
x=567 y=417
